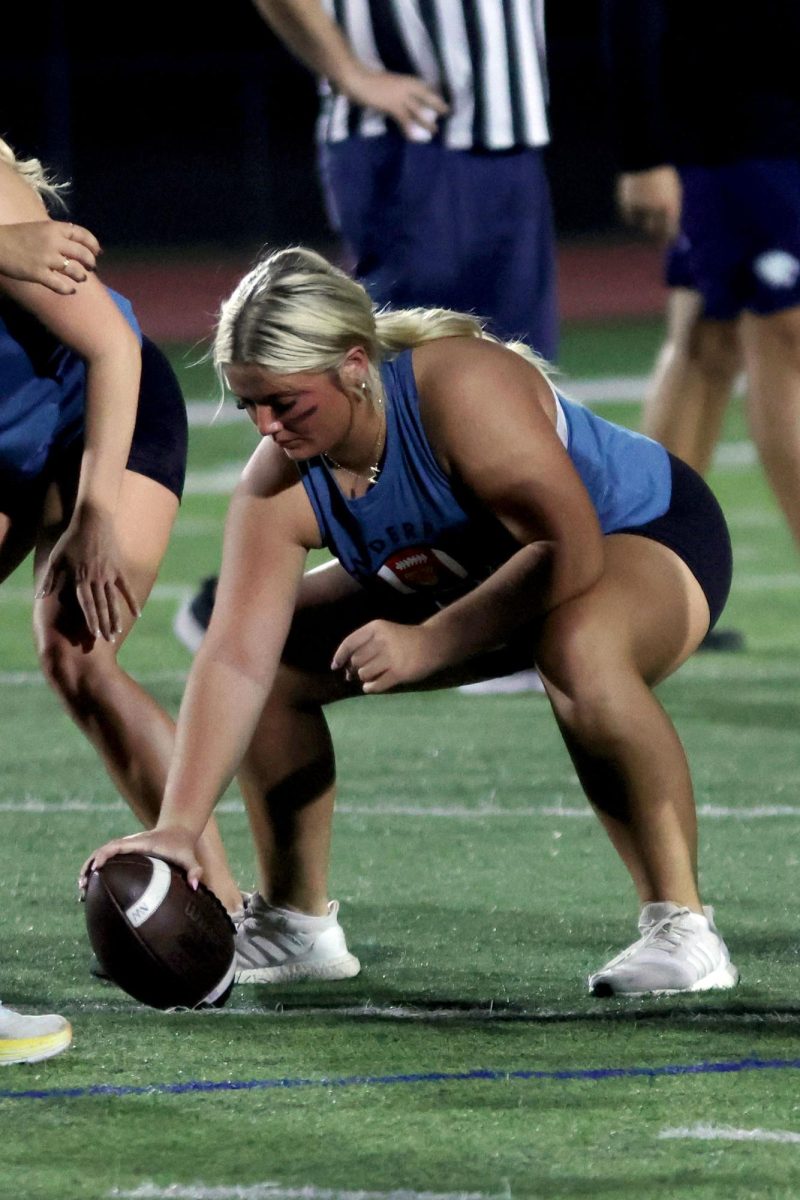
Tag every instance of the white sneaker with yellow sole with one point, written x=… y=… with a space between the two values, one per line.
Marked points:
x=25 y=1039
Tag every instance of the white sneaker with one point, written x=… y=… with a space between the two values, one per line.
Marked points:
x=679 y=951
x=520 y=681
x=275 y=944
x=26 y=1039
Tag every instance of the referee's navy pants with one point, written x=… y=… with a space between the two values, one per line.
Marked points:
x=464 y=229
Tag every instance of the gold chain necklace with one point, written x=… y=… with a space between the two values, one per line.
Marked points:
x=372 y=473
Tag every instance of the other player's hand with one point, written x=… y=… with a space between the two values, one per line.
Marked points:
x=651 y=201
x=174 y=843
x=409 y=101
x=383 y=655
x=58 y=254
x=87 y=553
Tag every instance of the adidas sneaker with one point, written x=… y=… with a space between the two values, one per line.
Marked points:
x=678 y=951
x=274 y=945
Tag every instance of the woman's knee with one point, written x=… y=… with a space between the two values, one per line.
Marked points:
x=588 y=685
x=778 y=334
x=79 y=676
x=713 y=346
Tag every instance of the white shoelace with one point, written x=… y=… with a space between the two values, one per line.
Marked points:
x=661 y=935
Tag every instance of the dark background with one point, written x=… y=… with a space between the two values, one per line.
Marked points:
x=184 y=124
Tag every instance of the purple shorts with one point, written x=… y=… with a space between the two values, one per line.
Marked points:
x=739 y=245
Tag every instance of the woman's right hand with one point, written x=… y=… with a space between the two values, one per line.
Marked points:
x=174 y=843
x=58 y=254
x=407 y=99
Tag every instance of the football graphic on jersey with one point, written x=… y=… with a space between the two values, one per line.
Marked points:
x=418 y=568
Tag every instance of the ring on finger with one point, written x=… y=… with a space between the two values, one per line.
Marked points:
x=67 y=264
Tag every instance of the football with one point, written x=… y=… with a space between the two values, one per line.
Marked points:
x=154 y=936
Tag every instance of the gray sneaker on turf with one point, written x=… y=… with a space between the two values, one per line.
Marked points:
x=274 y=945
x=679 y=951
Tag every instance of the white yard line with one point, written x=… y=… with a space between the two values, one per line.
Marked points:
x=768 y=582
x=276 y=1191
x=727 y=1133
x=216 y=481
x=752 y=518
x=734 y=668
x=735 y=455
x=162 y=592
x=762 y=581
x=603 y=389
x=205 y=414
x=222 y=479
x=455 y=812
x=146 y=678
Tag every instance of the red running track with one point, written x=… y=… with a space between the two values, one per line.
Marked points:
x=176 y=300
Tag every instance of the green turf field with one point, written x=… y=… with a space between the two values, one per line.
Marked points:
x=467 y=1059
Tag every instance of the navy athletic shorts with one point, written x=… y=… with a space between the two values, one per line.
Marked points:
x=158 y=446
x=739 y=244
x=160 y=437
x=695 y=528
x=464 y=229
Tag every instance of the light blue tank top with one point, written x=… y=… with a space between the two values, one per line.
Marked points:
x=419 y=533
x=42 y=390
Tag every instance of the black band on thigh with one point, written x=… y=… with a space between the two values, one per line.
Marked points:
x=695 y=528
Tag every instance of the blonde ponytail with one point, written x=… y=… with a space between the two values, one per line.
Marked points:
x=34 y=174
x=408 y=327
x=295 y=312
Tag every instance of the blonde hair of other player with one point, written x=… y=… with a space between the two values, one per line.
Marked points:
x=34 y=174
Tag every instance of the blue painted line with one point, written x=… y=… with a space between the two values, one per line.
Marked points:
x=477 y=1075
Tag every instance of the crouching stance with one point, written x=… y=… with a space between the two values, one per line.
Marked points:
x=481 y=523
x=92 y=459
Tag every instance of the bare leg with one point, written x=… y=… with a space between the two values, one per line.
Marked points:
x=599 y=656
x=692 y=381
x=288 y=781
x=772 y=354
x=130 y=731
x=288 y=774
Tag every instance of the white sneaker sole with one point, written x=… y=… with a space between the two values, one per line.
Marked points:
x=726 y=976
x=346 y=967
x=26 y=1050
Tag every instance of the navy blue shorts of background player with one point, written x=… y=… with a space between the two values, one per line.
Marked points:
x=158 y=446
x=739 y=245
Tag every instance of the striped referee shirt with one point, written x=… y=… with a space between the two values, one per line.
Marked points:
x=485 y=57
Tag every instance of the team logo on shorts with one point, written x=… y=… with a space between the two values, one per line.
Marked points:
x=418 y=568
x=777 y=268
